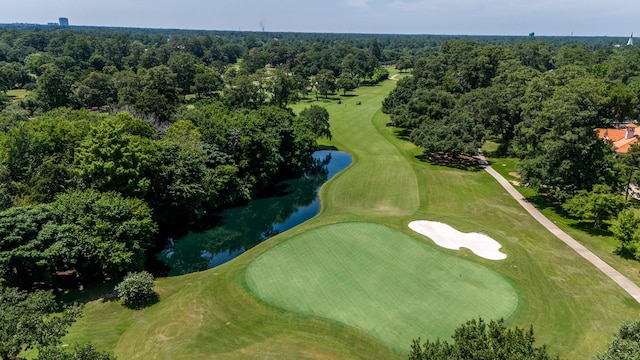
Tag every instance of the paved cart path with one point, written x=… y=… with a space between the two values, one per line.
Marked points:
x=624 y=282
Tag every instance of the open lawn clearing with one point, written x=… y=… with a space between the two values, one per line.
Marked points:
x=561 y=294
x=379 y=280
x=572 y=306
x=17 y=94
x=211 y=315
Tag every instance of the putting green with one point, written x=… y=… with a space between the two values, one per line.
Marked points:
x=380 y=280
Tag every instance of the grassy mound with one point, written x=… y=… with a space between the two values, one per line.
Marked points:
x=379 y=280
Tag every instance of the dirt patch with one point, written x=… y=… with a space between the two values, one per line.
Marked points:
x=515 y=174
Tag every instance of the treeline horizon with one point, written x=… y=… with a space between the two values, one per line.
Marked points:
x=24 y=25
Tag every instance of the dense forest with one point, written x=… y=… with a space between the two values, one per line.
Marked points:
x=124 y=137
x=541 y=104
x=180 y=124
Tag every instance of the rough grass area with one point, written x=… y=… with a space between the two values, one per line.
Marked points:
x=379 y=280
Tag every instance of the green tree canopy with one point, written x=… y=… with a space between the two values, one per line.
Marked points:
x=455 y=135
x=324 y=82
x=93 y=233
x=597 y=205
x=318 y=117
x=111 y=158
x=31 y=320
x=562 y=153
x=136 y=288
x=627 y=231
x=346 y=83
x=282 y=87
x=206 y=81
x=159 y=95
x=625 y=344
x=183 y=65
x=97 y=89
x=54 y=88
x=477 y=340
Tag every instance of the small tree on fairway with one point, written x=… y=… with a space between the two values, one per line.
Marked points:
x=476 y=339
x=136 y=288
x=625 y=344
x=346 y=83
x=626 y=231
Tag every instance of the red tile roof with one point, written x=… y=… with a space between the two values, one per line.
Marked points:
x=619 y=137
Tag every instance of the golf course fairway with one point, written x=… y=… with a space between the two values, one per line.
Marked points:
x=355 y=282
x=379 y=280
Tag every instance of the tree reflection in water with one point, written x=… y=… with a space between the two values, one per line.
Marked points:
x=244 y=227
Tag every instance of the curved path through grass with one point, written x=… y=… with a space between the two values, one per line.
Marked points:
x=214 y=314
x=629 y=286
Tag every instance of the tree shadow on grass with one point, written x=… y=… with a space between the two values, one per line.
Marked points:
x=151 y=300
x=626 y=253
x=543 y=202
x=500 y=152
x=463 y=162
x=327 y=147
x=400 y=133
x=588 y=227
x=103 y=291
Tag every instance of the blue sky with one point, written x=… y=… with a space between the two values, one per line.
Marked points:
x=473 y=17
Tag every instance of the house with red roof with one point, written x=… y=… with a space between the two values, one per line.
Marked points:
x=622 y=139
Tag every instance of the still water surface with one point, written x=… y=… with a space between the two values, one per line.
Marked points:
x=242 y=228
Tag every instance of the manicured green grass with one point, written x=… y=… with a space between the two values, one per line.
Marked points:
x=214 y=314
x=379 y=280
x=17 y=94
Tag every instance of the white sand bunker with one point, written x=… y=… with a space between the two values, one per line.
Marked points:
x=450 y=238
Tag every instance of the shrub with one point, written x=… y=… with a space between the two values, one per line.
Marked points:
x=626 y=231
x=479 y=340
x=137 y=288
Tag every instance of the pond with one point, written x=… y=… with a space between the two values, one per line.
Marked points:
x=242 y=228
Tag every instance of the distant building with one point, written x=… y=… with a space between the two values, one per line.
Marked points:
x=630 y=42
x=64 y=22
x=621 y=139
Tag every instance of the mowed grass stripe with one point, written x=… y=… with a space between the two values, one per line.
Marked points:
x=383 y=186
x=379 y=280
x=381 y=182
